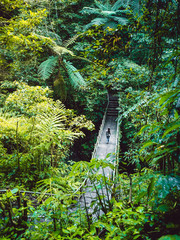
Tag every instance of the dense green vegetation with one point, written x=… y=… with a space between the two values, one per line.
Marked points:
x=58 y=60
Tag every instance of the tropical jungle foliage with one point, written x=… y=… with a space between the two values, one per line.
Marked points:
x=59 y=59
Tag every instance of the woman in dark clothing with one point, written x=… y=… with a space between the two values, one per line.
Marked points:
x=108 y=134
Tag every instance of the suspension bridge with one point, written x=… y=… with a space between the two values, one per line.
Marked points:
x=101 y=151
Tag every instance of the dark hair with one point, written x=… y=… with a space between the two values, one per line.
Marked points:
x=108 y=129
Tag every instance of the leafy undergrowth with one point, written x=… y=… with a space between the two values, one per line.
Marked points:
x=143 y=205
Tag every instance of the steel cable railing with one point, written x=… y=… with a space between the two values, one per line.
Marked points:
x=117 y=148
x=100 y=130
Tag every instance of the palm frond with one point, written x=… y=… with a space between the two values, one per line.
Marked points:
x=51 y=122
x=75 y=77
x=46 y=68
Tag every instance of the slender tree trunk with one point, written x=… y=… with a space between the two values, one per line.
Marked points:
x=130 y=188
x=52 y=155
x=156 y=42
x=17 y=147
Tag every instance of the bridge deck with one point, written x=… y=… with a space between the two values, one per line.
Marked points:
x=103 y=148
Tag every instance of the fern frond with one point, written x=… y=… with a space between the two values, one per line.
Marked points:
x=108 y=5
x=135 y=4
x=82 y=58
x=96 y=21
x=53 y=45
x=108 y=13
x=50 y=123
x=121 y=20
x=48 y=40
x=120 y=12
x=120 y=3
x=50 y=35
x=89 y=10
x=100 y=5
x=71 y=40
x=111 y=24
x=75 y=77
x=55 y=37
x=61 y=50
x=46 y=68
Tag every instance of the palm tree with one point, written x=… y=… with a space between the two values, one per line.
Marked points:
x=107 y=14
x=58 y=60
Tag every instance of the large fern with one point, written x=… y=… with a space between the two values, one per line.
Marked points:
x=118 y=4
x=75 y=77
x=71 y=40
x=96 y=21
x=47 y=67
x=133 y=4
x=103 y=5
x=44 y=32
x=108 y=15
x=50 y=123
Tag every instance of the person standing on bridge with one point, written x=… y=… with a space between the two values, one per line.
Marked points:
x=108 y=134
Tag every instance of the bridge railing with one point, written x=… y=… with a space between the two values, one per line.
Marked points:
x=117 y=149
x=100 y=130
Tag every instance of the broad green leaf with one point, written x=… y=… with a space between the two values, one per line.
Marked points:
x=166 y=96
x=119 y=204
x=143 y=129
x=47 y=67
x=170 y=237
x=163 y=208
x=175 y=126
x=147 y=144
x=9 y=194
